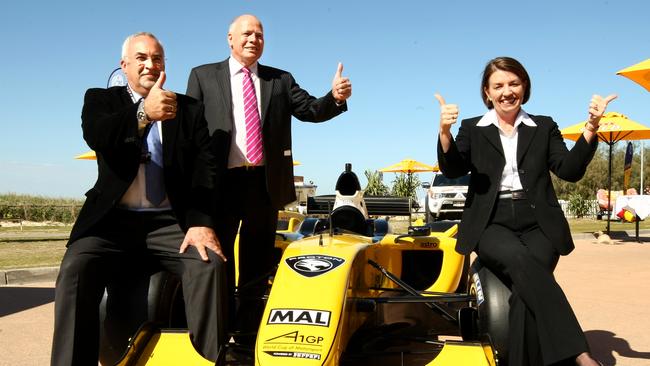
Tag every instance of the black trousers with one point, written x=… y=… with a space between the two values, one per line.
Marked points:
x=543 y=328
x=123 y=244
x=245 y=199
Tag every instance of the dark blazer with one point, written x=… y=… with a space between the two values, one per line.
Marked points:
x=281 y=97
x=540 y=150
x=110 y=128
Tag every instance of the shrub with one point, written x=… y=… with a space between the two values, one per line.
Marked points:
x=37 y=208
x=578 y=205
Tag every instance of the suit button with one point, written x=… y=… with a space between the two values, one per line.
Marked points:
x=532 y=206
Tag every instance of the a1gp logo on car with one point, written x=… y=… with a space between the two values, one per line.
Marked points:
x=296 y=338
x=300 y=316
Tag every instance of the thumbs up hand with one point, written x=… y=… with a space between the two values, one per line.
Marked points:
x=448 y=114
x=597 y=108
x=160 y=104
x=341 y=86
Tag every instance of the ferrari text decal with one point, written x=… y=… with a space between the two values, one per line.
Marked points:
x=307 y=355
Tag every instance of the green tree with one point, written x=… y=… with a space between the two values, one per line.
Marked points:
x=405 y=185
x=596 y=175
x=376 y=186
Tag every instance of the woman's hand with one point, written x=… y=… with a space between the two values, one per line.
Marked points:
x=597 y=108
x=448 y=116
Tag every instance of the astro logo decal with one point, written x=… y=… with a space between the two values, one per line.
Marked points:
x=300 y=316
x=313 y=265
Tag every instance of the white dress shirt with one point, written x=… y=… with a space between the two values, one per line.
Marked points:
x=135 y=198
x=510 y=177
x=237 y=156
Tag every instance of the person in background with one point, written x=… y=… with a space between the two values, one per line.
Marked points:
x=512 y=218
x=149 y=208
x=249 y=107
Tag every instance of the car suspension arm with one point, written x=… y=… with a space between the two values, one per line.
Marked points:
x=432 y=305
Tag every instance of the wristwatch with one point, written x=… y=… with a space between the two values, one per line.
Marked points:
x=141 y=115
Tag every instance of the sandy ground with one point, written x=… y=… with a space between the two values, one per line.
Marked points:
x=608 y=286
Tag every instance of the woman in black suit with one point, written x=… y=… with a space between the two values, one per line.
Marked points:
x=512 y=218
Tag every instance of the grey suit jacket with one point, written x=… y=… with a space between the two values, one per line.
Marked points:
x=540 y=150
x=281 y=98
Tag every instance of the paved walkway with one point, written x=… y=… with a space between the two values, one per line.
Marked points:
x=607 y=284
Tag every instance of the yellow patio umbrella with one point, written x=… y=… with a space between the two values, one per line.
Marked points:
x=409 y=166
x=90 y=155
x=296 y=162
x=614 y=127
x=639 y=73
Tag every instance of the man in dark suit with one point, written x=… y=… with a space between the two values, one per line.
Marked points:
x=150 y=206
x=243 y=100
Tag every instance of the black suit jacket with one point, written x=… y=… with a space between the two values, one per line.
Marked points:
x=281 y=97
x=110 y=128
x=540 y=150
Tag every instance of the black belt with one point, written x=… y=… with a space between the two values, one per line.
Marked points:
x=513 y=195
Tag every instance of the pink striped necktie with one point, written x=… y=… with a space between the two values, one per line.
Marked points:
x=254 y=146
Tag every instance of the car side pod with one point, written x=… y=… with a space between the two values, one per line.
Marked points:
x=153 y=346
x=464 y=353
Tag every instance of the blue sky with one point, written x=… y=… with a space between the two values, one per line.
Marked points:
x=397 y=54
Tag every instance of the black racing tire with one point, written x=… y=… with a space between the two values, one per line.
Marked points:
x=125 y=306
x=493 y=308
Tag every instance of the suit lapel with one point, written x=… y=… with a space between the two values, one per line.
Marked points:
x=223 y=84
x=126 y=97
x=491 y=134
x=525 y=136
x=169 y=132
x=266 y=89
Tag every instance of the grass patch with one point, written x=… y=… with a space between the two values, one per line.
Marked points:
x=591 y=225
x=26 y=254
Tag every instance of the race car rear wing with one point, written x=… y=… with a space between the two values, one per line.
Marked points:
x=376 y=205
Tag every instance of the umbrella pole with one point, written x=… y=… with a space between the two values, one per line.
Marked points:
x=609 y=192
x=408 y=181
x=641 y=184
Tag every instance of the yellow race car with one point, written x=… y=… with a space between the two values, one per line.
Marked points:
x=347 y=293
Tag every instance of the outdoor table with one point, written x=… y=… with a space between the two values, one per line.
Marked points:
x=639 y=203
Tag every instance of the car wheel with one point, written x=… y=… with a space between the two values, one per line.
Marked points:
x=492 y=307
